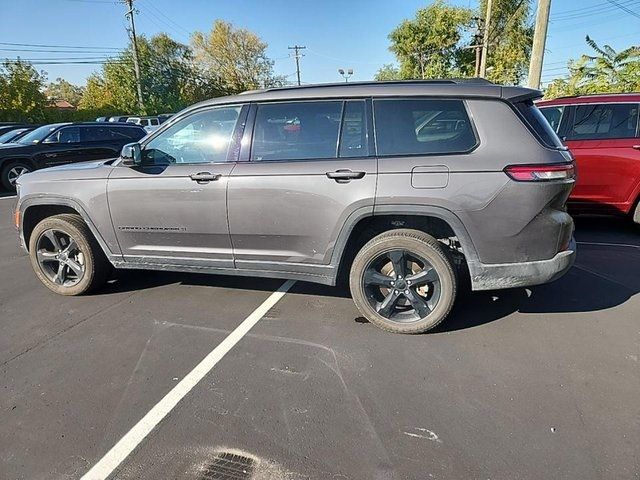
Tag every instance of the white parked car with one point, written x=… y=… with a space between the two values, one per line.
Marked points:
x=148 y=123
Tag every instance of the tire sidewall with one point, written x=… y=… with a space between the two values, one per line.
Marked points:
x=83 y=245
x=439 y=261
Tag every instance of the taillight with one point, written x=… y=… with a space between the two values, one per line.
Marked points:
x=541 y=172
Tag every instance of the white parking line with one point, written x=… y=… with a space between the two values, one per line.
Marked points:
x=606 y=244
x=137 y=434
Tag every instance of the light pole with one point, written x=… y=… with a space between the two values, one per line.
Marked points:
x=345 y=73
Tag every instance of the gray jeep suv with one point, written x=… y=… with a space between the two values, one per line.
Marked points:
x=406 y=187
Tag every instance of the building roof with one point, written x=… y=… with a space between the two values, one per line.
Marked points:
x=63 y=104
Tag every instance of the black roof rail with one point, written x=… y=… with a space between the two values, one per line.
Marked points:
x=435 y=81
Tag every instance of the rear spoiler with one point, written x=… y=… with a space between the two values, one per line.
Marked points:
x=520 y=94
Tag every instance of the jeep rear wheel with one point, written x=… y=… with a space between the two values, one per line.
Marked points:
x=65 y=256
x=403 y=281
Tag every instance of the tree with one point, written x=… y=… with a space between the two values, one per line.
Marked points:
x=233 y=58
x=608 y=71
x=387 y=72
x=21 y=96
x=510 y=40
x=427 y=45
x=63 y=90
x=169 y=79
x=438 y=42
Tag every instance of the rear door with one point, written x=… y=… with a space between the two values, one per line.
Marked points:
x=97 y=143
x=173 y=209
x=604 y=140
x=308 y=169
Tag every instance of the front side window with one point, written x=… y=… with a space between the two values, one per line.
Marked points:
x=422 y=127
x=553 y=116
x=65 y=135
x=296 y=131
x=203 y=137
x=604 y=121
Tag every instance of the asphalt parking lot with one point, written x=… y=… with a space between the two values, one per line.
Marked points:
x=519 y=384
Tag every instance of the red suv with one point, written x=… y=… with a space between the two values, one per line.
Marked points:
x=602 y=132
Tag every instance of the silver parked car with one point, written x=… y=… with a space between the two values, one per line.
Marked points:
x=405 y=187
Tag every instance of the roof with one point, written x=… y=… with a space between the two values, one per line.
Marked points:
x=599 y=97
x=473 y=87
x=63 y=104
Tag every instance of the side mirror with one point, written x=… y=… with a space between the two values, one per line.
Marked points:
x=131 y=155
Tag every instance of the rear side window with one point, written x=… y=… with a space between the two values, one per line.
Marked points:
x=296 y=131
x=94 y=134
x=604 y=121
x=126 y=133
x=422 y=127
x=553 y=116
x=537 y=122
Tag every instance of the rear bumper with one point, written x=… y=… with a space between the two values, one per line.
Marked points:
x=524 y=274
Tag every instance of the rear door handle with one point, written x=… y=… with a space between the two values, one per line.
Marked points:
x=345 y=176
x=205 y=177
x=637 y=147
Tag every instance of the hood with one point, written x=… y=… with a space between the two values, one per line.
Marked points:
x=94 y=170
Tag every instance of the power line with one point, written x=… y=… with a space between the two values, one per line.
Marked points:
x=169 y=19
x=74 y=47
x=623 y=8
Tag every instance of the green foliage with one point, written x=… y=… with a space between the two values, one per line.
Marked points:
x=21 y=97
x=438 y=42
x=233 y=59
x=510 y=40
x=608 y=71
x=387 y=72
x=428 y=45
x=63 y=90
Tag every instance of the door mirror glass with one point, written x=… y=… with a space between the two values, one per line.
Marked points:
x=131 y=155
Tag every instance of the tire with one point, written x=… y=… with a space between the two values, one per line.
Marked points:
x=10 y=171
x=436 y=286
x=636 y=213
x=87 y=255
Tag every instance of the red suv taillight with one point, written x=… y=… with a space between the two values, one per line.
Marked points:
x=541 y=172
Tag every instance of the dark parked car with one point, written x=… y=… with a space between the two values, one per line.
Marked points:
x=62 y=143
x=15 y=134
x=603 y=133
x=404 y=186
x=7 y=126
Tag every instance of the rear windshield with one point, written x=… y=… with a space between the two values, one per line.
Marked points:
x=539 y=124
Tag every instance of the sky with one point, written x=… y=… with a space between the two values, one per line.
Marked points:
x=337 y=34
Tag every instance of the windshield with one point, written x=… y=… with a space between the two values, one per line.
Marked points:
x=5 y=137
x=37 y=135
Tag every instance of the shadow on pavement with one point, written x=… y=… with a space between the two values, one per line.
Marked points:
x=604 y=276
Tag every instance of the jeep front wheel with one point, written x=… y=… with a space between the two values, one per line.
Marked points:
x=65 y=256
x=403 y=281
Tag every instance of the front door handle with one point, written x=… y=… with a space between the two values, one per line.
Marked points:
x=637 y=147
x=345 y=176
x=205 y=177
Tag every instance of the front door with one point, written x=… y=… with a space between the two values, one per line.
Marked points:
x=603 y=139
x=61 y=147
x=298 y=185
x=172 y=208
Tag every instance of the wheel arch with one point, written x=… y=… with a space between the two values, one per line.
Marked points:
x=435 y=221
x=34 y=210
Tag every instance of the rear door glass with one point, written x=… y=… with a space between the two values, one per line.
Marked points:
x=604 y=121
x=553 y=116
x=296 y=131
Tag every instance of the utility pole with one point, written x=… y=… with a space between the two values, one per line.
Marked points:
x=136 y=62
x=477 y=45
x=485 y=42
x=539 y=41
x=297 y=56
